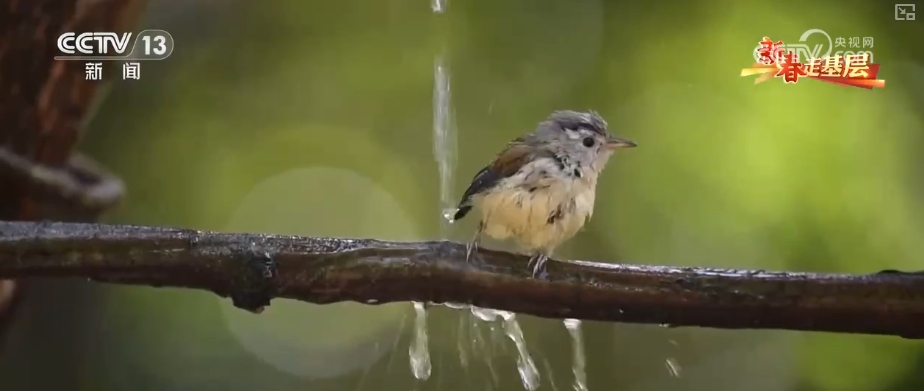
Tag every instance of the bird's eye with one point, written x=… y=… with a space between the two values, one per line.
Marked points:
x=589 y=142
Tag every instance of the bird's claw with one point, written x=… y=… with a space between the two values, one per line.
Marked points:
x=470 y=250
x=538 y=265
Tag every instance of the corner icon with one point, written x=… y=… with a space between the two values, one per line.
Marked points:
x=904 y=11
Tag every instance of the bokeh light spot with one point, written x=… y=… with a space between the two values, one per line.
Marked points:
x=310 y=340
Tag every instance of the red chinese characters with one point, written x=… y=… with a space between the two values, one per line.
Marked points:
x=769 y=51
x=775 y=59
x=790 y=68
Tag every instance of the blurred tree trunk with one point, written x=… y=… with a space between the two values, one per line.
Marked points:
x=43 y=104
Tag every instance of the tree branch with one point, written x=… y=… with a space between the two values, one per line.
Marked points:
x=252 y=269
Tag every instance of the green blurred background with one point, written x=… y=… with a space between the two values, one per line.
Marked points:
x=315 y=118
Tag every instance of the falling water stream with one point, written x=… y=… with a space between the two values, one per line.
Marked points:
x=445 y=152
x=419 y=350
x=577 y=341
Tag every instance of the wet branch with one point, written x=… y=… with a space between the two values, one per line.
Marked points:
x=253 y=268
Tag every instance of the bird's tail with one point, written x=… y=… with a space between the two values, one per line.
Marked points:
x=460 y=212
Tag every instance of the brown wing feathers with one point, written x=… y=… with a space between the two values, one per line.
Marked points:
x=505 y=164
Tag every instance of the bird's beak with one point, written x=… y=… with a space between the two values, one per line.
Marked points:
x=613 y=142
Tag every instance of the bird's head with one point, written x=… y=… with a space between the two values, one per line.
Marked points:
x=583 y=137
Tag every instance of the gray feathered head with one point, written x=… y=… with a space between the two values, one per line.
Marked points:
x=581 y=136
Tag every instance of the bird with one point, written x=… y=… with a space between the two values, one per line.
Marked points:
x=539 y=190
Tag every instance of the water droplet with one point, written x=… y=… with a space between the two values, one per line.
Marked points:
x=672 y=367
x=419 y=352
x=456 y=306
x=525 y=365
x=485 y=314
x=444 y=134
x=578 y=365
x=462 y=336
x=448 y=215
x=438 y=6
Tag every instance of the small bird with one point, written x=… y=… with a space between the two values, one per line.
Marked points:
x=539 y=191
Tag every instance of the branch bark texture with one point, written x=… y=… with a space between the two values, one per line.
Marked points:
x=252 y=269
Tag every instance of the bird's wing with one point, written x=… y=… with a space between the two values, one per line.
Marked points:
x=505 y=164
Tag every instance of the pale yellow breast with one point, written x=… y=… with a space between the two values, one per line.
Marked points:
x=523 y=216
